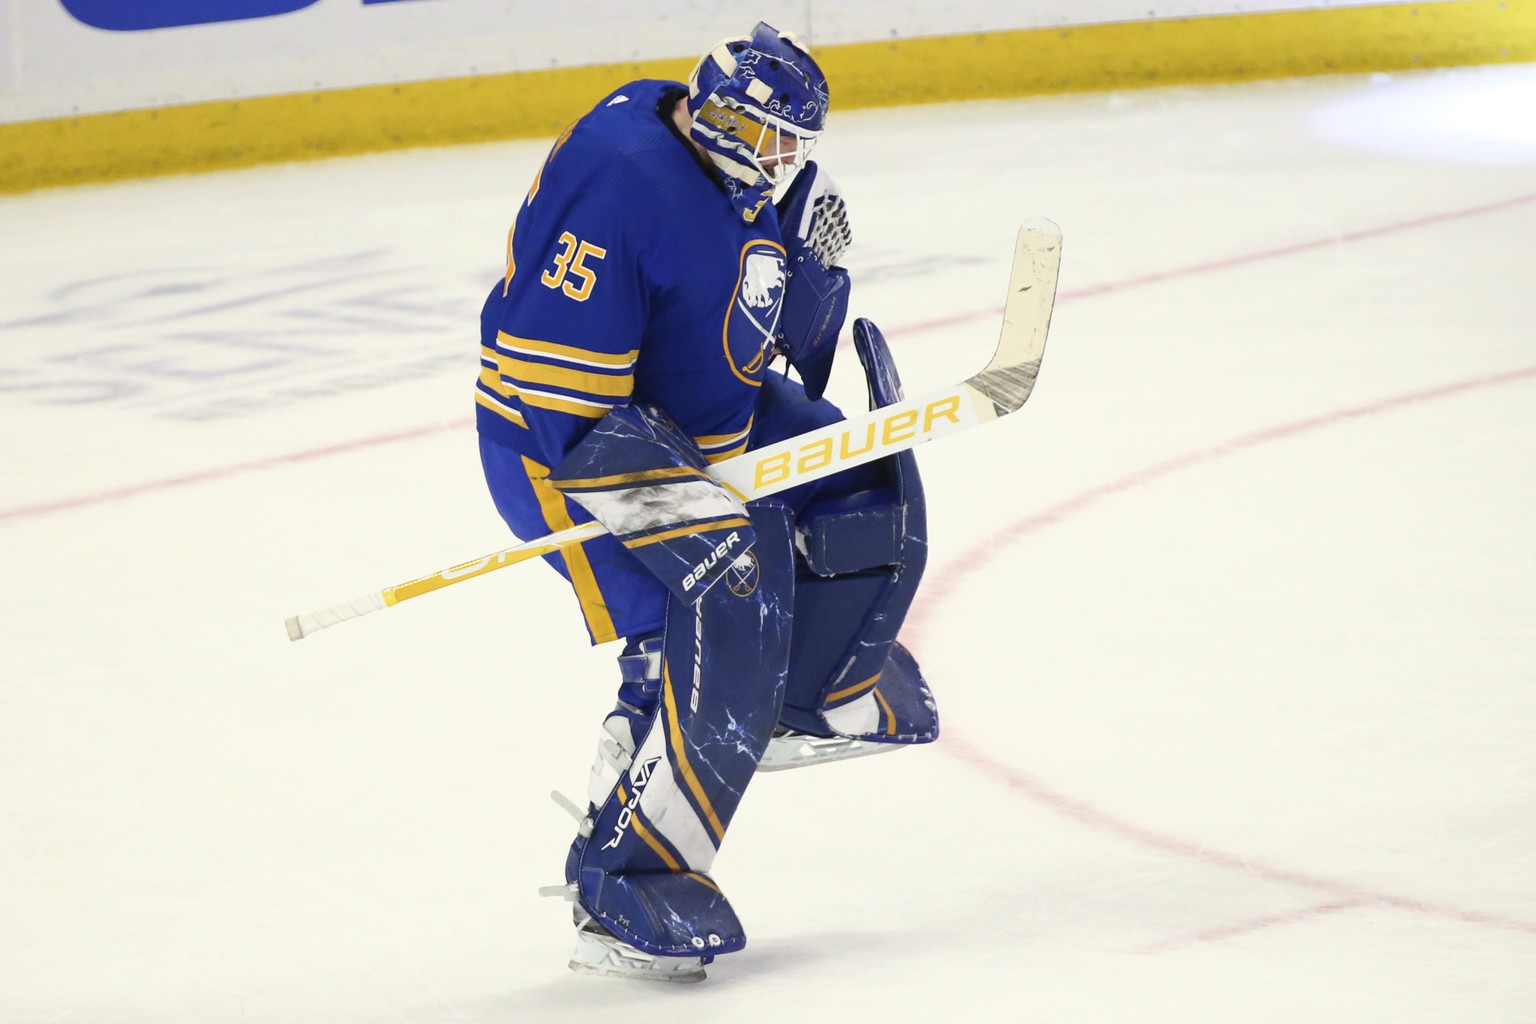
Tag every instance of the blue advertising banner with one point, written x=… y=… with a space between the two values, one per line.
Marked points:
x=116 y=16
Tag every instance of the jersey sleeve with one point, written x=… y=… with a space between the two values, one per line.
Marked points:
x=561 y=338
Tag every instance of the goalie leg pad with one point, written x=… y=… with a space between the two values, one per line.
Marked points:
x=642 y=873
x=849 y=676
x=864 y=556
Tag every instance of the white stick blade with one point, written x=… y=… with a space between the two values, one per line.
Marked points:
x=1010 y=376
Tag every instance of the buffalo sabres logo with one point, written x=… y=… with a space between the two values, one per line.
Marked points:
x=753 y=318
x=741 y=576
x=764 y=275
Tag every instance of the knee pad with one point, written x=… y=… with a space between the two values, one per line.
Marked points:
x=643 y=870
x=647 y=482
x=862 y=558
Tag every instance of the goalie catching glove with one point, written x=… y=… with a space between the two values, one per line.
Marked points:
x=813 y=219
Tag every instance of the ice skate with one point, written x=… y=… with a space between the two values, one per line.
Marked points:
x=791 y=749
x=599 y=951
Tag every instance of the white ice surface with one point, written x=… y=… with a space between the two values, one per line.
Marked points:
x=1233 y=627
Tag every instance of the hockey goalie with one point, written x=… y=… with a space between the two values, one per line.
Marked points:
x=675 y=244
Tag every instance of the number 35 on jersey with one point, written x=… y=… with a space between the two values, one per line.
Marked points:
x=570 y=263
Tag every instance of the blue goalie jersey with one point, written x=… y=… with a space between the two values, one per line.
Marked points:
x=630 y=278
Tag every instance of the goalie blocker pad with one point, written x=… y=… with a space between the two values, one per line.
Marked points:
x=648 y=483
x=863 y=557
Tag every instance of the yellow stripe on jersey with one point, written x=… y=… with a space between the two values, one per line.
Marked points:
x=594 y=607
x=511 y=262
x=490 y=380
x=495 y=381
x=539 y=174
x=725 y=446
x=707 y=440
x=490 y=376
x=561 y=403
x=727 y=453
x=524 y=371
x=569 y=353
x=506 y=411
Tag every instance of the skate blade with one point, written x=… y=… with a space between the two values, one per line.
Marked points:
x=797 y=750
x=609 y=956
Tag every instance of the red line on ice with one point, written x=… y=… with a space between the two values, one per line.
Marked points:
x=1242 y=259
x=938 y=587
x=216 y=473
x=1248 y=927
x=261 y=465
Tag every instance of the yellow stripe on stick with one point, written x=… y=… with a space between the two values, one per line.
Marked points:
x=463 y=571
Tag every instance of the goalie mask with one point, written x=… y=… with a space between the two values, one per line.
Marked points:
x=758 y=105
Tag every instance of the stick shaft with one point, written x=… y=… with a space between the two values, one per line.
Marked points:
x=301 y=626
x=999 y=389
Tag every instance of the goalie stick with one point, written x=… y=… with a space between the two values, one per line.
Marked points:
x=999 y=388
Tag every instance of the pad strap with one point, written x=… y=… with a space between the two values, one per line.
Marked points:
x=864 y=557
